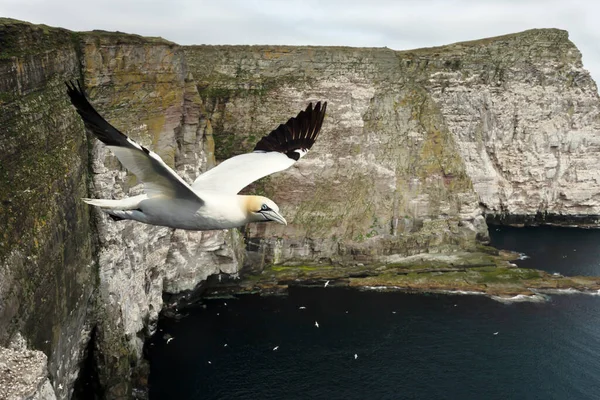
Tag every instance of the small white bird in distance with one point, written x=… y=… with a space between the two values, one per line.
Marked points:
x=355 y=356
x=225 y=345
x=326 y=284
x=316 y=324
x=212 y=201
x=302 y=308
x=275 y=348
x=209 y=362
x=495 y=333
x=169 y=340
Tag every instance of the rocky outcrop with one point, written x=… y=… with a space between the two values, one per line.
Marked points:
x=47 y=272
x=417 y=148
x=24 y=373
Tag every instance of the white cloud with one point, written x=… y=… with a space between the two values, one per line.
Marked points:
x=399 y=25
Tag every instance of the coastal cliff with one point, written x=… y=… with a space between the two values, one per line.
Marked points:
x=418 y=148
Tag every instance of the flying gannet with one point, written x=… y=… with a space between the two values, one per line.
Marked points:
x=212 y=201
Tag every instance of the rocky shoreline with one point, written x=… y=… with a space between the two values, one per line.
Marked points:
x=489 y=272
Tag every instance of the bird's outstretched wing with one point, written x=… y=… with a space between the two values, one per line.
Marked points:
x=275 y=152
x=158 y=177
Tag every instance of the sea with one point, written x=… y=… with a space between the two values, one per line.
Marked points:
x=335 y=343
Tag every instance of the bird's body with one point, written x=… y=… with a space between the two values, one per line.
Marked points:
x=212 y=201
x=219 y=211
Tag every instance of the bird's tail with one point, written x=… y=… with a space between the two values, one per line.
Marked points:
x=129 y=203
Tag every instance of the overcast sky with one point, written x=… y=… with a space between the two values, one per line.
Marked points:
x=399 y=25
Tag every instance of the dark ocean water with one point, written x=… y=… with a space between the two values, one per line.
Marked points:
x=408 y=346
x=567 y=251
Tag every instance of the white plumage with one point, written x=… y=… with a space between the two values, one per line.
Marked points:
x=212 y=201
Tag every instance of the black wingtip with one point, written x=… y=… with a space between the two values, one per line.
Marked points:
x=298 y=133
x=91 y=119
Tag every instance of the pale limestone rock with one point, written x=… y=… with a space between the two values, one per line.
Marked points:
x=24 y=375
x=138 y=262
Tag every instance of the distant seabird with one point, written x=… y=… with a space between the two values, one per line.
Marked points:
x=275 y=348
x=212 y=201
x=326 y=284
x=355 y=356
x=302 y=308
x=169 y=340
x=495 y=333
x=316 y=324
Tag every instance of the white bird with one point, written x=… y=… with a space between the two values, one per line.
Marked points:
x=209 y=362
x=275 y=348
x=316 y=324
x=355 y=356
x=302 y=308
x=212 y=201
x=495 y=333
x=169 y=340
x=326 y=284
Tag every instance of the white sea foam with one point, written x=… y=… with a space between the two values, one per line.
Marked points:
x=382 y=288
x=462 y=292
x=520 y=298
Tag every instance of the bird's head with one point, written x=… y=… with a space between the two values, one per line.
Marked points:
x=261 y=209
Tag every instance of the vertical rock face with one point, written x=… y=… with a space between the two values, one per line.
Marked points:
x=526 y=117
x=47 y=274
x=142 y=87
x=385 y=175
x=416 y=146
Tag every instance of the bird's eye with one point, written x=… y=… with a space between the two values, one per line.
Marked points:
x=264 y=207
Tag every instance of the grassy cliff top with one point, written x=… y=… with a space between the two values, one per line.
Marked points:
x=530 y=37
x=21 y=38
x=547 y=37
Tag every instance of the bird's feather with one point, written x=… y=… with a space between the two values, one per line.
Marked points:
x=275 y=152
x=158 y=177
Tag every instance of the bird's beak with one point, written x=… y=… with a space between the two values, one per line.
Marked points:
x=274 y=216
